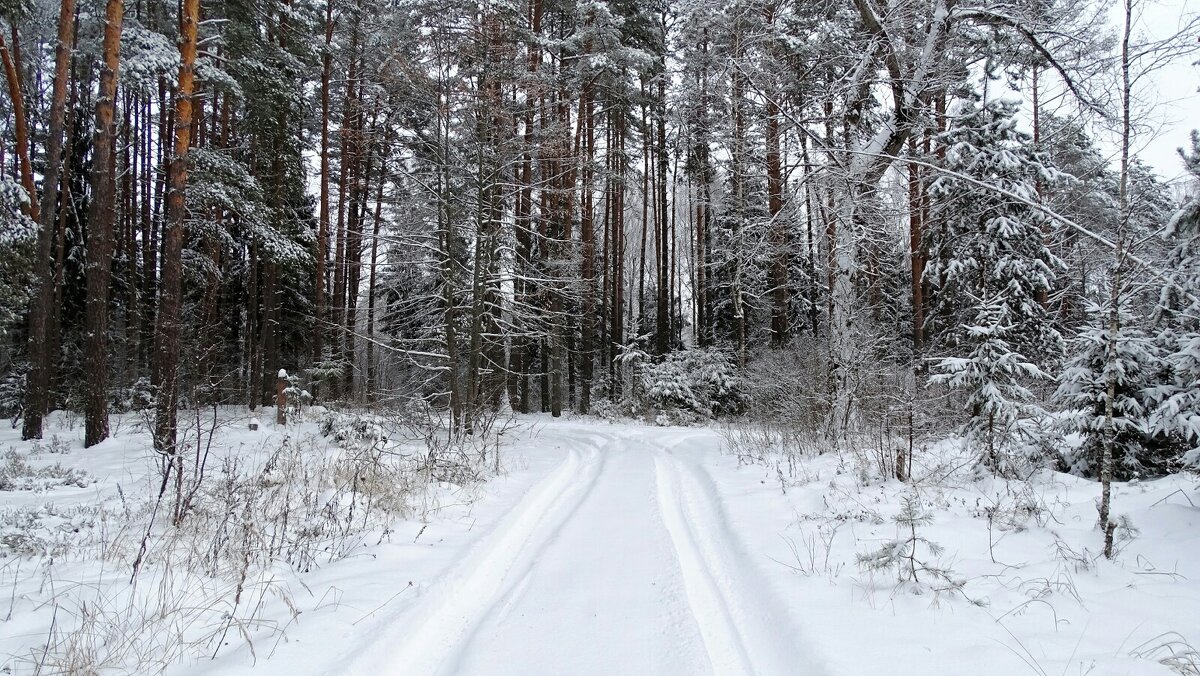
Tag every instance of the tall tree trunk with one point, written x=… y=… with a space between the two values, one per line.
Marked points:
x=587 y=237
x=646 y=197
x=738 y=183
x=663 y=309
x=346 y=194
x=170 y=302
x=254 y=322
x=37 y=391
x=323 y=208
x=916 y=250
x=778 y=229
x=101 y=217
x=372 y=367
x=617 y=329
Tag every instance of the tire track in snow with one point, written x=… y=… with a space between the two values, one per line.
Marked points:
x=744 y=631
x=430 y=638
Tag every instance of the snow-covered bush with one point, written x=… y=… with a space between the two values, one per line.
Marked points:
x=701 y=382
x=138 y=396
x=18 y=475
x=352 y=429
x=51 y=530
x=789 y=387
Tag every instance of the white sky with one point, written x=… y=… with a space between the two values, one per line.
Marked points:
x=1170 y=99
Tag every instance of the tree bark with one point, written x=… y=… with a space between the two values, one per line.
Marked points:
x=37 y=392
x=170 y=306
x=320 y=320
x=916 y=250
x=587 y=237
x=663 y=313
x=778 y=230
x=101 y=217
x=20 y=128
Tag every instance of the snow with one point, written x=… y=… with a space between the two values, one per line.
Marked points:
x=621 y=548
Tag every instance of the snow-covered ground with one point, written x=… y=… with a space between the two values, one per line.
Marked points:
x=621 y=548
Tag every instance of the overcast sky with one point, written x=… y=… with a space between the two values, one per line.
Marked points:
x=1170 y=99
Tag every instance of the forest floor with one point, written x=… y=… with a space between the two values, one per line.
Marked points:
x=609 y=548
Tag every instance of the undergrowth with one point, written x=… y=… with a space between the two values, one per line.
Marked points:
x=135 y=583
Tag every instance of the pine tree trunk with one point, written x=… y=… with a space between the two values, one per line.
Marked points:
x=738 y=184
x=170 y=306
x=377 y=217
x=101 y=217
x=254 y=323
x=346 y=201
x=617 y=329
x=646 y=197
x=916 y=250
x=37 y=391
x=322 y=255
x=587 y=237
x=20 y=128
x=662 y=310
x=778 y=230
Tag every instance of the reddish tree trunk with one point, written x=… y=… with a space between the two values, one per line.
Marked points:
x=101 y=217
x=171 y=292
x=37 y=393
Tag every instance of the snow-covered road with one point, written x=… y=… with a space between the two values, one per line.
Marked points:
x=621 y=548
x=619 y=561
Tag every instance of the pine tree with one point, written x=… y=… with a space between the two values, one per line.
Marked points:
x=1178 y=409
x=988 y=245
x=1130 y=361
x=992 y=374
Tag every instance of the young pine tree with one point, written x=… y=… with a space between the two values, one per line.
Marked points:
x=1178 y=410
x=991 y=375
x=1083 y=389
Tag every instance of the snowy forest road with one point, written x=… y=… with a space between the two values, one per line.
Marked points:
x=619 y=561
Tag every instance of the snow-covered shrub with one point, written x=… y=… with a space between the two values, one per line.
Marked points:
x=605 y=409
x=789 y=387
x=18 y=475
x=702 y=382
x=50 y=530
x=419 y=442
x=138 y=396
x=352 y=429
x=55 y=445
